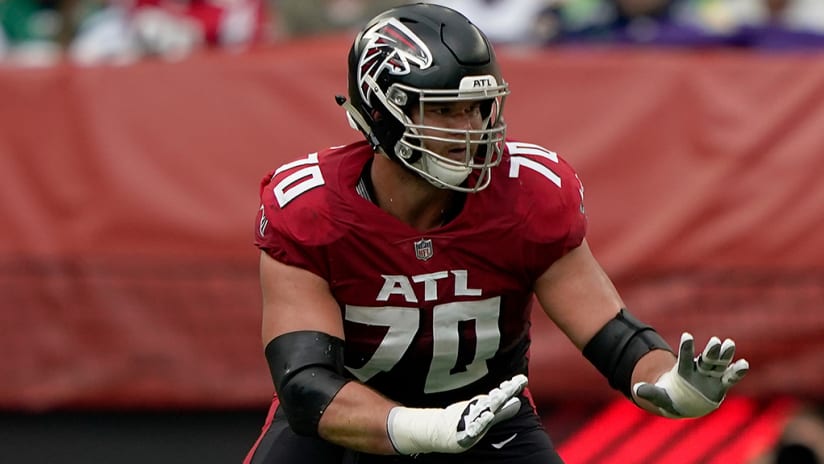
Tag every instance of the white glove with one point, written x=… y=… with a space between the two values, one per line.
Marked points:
x=695 y=386
x=457 y=427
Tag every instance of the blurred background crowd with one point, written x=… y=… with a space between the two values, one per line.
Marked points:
x=43 y=32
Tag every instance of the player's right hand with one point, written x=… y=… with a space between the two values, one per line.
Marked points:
x=457 y=427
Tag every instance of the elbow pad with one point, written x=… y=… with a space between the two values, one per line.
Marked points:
x=618 y=346
x=307 y=370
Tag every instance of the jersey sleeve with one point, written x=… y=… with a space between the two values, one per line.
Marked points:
x=554 y=221
x=292 y=231
x=572 y=195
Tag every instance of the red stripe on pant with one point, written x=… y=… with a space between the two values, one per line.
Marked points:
x=268 y=423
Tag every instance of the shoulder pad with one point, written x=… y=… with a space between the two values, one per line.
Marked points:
x=294 y=202
x=551 y=190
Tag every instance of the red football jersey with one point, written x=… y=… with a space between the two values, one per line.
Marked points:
x=429 y=317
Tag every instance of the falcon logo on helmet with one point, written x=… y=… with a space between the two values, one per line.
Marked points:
x=391 y=47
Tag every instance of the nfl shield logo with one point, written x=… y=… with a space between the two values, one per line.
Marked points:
x=423 y=249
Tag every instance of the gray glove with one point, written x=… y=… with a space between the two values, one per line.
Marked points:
x=695 y=386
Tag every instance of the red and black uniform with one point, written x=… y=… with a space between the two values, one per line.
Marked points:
x=432 y=317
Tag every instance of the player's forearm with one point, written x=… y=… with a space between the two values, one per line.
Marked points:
x=356 y=419
x=648 y=369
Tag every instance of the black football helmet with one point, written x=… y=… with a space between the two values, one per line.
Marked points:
x=423 y=54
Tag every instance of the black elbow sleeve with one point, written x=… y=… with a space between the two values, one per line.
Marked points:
x=307 y=370
x=618 y=346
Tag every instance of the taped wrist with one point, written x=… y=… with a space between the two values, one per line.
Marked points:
x=409 y=430
x=307 y=370
x=414 y=431
x=618 y=346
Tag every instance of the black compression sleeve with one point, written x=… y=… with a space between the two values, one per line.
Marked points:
x=618 y=346
x=307 y=370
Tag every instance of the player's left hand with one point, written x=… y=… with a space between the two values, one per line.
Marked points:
x=695 y=386
x=457 y=427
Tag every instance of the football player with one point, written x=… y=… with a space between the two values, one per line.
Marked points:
x=397 y=272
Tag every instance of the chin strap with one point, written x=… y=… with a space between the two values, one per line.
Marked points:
x=356 y=121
